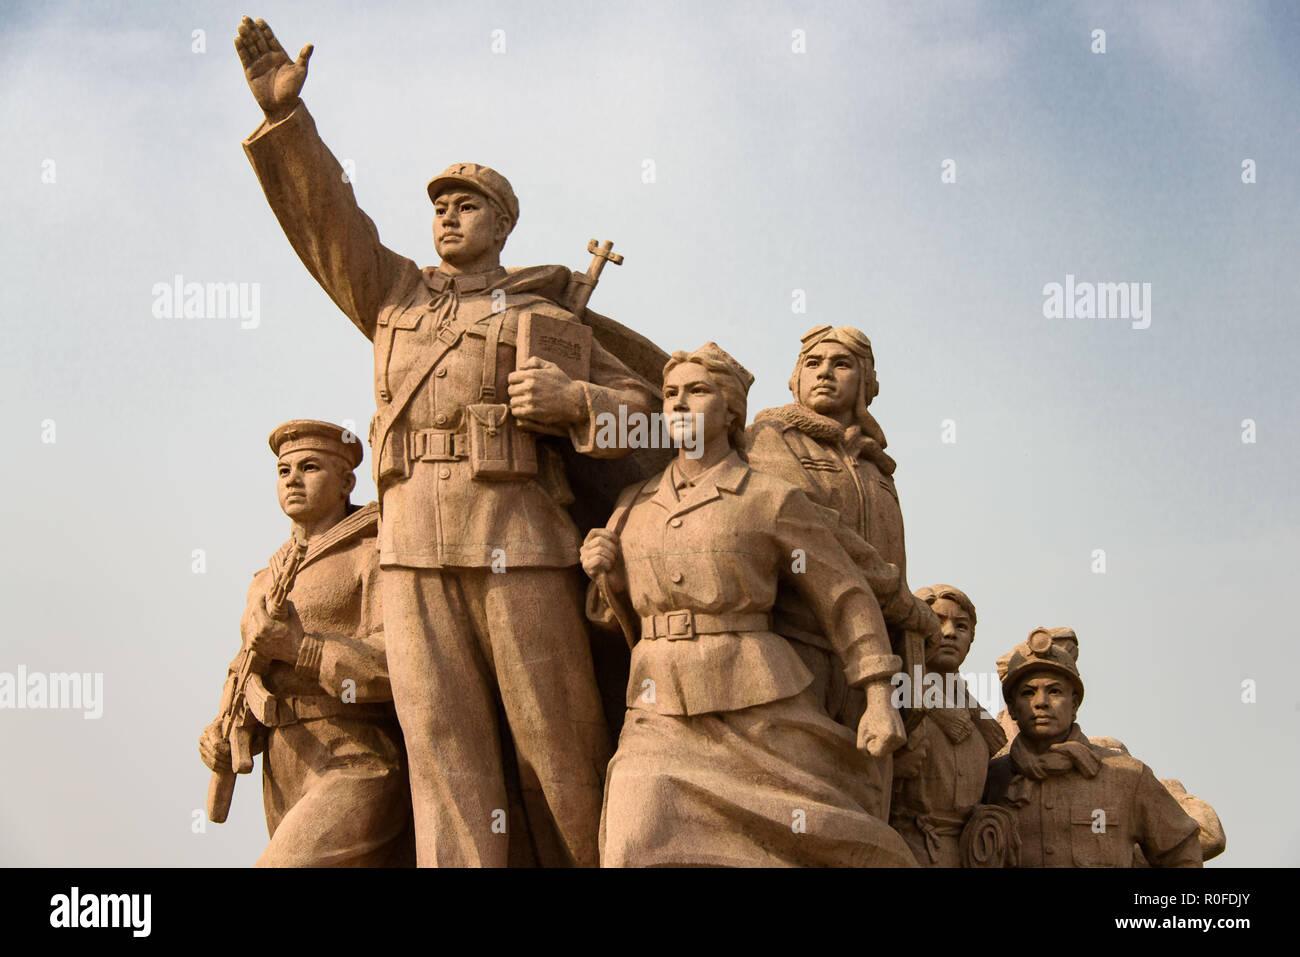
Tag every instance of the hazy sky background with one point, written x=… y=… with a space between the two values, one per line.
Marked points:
x=775 y=171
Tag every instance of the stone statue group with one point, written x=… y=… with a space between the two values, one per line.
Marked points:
x=438 y=678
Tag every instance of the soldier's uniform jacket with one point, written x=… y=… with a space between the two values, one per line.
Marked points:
x=850 y=473
x=435 y=513
x=933 y=801
x=337 y=598
x=334 y=779
x=1091 y=813
x=703 y=564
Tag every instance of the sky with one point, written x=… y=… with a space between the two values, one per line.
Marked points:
x=924 y=172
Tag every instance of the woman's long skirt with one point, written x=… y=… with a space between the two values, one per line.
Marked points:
x=775 y=785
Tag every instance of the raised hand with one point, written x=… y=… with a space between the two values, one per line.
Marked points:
x=274 y=79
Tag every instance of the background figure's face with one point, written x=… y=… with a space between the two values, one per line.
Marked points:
x=829 y=379
x=310 y=485
x=1044 y=707
x=945 y=652
x=466 y=226
x=692 y=402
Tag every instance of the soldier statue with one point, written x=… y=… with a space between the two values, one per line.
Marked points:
x=313 y=672
x=939 y=774
x=829 y=445
x=486 y=637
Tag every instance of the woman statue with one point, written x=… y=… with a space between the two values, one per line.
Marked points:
x=726 y=757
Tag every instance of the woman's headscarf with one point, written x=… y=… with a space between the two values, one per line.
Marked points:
x=733 y=381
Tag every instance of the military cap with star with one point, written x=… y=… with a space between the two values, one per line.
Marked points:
x=481 y=179
x=299 y=434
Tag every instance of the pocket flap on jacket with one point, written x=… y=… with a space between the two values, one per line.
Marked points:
x=489 y=414
x=1089 y=815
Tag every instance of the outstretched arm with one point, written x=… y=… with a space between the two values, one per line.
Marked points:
x=841 y=599
x=769 y=452
x=308 y=190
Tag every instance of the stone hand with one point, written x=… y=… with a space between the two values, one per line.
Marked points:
x=214 y=749
x=274 y=79
x=271 y=637
x=601 y=554
x=880 y=731
x=541 y=392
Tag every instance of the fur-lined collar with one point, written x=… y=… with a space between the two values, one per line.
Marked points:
x=866 y=441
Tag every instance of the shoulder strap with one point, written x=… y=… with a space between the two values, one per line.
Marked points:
x=487 y=391
x=384 y=418
x=618 y=517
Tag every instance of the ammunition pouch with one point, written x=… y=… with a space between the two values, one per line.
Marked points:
x=499 y=449
x=390 y=461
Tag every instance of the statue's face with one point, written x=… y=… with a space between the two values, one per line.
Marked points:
x=829 y=379
x=466 y=226
x=1044 y=707
x=310 y=486
x=945 y=652
x=693 y=402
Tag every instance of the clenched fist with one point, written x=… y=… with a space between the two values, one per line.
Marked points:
x=602 y=555
x=214 y=749
x=542 y=392
x=271 y=637
x=880 y=732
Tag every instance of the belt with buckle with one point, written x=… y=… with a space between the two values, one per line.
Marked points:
x=294 y=708
x=438 y=445
x=678 y=625
x=278 y=711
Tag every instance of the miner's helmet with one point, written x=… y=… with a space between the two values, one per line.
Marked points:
x=299 y=434
x=1038 y=654
x=481 y=179
x=1059 y=636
